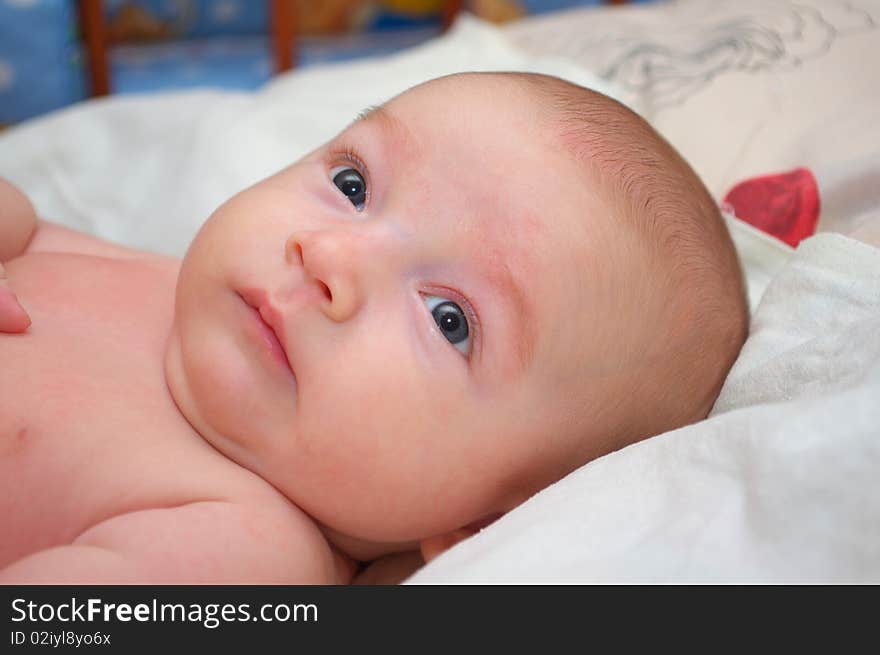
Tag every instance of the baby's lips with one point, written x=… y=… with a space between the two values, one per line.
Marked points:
x=13 y=317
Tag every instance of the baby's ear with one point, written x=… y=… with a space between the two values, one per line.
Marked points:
x=433 y=546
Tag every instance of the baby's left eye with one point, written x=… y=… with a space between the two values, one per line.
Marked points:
x=452 y=321
x=351 y=183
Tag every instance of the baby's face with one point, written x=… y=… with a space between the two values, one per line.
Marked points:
x=392 y=331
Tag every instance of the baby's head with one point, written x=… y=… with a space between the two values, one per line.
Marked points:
x=476 y=288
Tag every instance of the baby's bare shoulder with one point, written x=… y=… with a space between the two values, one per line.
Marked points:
x=231 y=541
x=49 y=237
x=210 y=541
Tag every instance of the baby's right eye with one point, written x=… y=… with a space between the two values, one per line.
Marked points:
x=352 y=185
x=452 y=322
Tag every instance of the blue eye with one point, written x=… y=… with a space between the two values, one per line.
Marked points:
x=351 y=184
x=451 y=321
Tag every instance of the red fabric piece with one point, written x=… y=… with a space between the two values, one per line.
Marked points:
x=785 y=205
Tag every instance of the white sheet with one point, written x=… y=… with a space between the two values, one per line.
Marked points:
x=779 y=485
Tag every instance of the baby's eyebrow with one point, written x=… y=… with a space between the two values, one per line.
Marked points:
x=393 y=129
x=365 y=114
x=520 y=313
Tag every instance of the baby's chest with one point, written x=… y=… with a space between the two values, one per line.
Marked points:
x=87 y=427
x=94 y=350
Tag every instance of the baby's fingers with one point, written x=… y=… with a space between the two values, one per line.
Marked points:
x=13 y=318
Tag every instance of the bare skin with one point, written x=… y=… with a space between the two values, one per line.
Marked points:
x=17 y=223
x=143 y=497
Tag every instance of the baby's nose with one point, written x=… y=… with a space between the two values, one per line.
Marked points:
x=330 y=259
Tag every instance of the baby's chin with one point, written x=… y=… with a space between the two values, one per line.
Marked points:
x=374 y=519
x=176 y=382
x=189 y=393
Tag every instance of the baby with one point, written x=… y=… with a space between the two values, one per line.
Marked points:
x=469 y=293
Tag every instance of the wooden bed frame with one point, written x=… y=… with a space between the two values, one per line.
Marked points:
x=282 y=16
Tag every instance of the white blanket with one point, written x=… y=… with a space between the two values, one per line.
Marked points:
x=779 y=484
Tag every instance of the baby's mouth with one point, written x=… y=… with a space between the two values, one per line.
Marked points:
x=269 y=322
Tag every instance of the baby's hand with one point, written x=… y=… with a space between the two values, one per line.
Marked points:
x=13 y=318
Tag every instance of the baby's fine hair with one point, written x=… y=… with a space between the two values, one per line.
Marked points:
x=660 y=202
